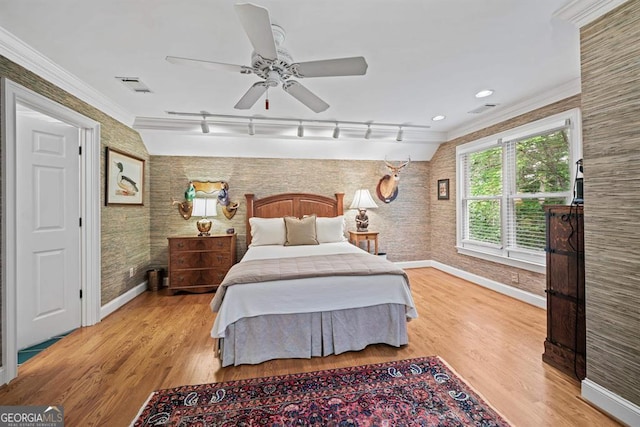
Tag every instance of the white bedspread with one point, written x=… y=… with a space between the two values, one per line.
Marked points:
x=311 y=294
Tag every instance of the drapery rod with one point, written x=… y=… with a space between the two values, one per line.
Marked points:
x=203 y=114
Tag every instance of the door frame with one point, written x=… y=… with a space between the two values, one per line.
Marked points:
x=12 y=93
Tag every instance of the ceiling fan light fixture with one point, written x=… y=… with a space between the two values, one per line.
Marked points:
x=400 y=134
x=336 y=132
x=300 y=130
x=438 y=118
x=367 y=133
x=484 y=93
x=204 y=126
x=252 y=128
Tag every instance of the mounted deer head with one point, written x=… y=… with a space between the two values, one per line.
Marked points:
x=387 y=188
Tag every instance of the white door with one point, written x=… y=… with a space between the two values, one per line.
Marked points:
x=47 y=227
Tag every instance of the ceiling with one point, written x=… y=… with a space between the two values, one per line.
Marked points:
x=425 y=57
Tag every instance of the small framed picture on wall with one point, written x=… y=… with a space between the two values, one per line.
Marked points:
x=125 y=174
x=443 y=189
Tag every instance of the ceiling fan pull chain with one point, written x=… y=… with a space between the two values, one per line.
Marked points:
x=266 y=100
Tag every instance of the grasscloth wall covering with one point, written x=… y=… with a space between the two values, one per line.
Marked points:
x=125 y=230
x=403 y=224
x=443 y=212
x=610 y=51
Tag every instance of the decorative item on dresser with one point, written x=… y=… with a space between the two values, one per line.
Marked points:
x=565 y=345
x=198 y=264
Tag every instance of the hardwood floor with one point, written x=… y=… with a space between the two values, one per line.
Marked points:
x=103 y=374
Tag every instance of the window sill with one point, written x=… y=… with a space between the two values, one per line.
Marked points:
x=524 y=265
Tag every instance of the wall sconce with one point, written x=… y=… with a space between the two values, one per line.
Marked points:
x=362 y=201
x=204 y=207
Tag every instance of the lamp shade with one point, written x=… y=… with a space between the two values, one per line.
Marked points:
x=204 y=207
x=363 y=200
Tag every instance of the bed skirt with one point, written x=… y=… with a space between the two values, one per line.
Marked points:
x=257 y=339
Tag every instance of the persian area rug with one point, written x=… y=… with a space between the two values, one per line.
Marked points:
x=414 y=392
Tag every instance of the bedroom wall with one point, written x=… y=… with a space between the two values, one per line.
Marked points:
x=610 y=52
x=443 y=212
x=125 y=230
x=403 y=224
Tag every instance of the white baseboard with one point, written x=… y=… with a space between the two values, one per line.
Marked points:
x=516 y=293
x=611 y=403
x=115 y=304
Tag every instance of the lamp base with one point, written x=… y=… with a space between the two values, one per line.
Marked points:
x=361 y=230
x=204 y=226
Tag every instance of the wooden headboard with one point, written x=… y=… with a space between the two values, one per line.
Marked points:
x=292 y=204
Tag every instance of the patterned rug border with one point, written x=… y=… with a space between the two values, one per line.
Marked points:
x=248 y=381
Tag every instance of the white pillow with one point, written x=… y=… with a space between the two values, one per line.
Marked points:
x=330 y=230
x=267 y=231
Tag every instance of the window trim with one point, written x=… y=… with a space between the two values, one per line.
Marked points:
x=523 y=259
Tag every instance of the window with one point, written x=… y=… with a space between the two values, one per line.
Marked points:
x=504 y=182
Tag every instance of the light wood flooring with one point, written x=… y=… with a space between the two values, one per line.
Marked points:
x=103 y=374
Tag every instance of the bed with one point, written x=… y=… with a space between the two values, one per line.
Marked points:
x=288 y=298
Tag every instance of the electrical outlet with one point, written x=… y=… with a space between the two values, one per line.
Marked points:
x=515 y=278
x=131 y=272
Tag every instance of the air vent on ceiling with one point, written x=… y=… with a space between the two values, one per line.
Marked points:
x=483 y=108
x=134 y=84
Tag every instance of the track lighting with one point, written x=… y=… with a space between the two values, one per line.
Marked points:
x=336 y=132
x=205 y=126
x=227 y=119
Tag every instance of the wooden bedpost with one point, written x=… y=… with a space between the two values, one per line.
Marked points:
x=249 y=199
x=340 y=206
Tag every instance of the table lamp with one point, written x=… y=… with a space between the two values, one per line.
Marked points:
x=204 y=207
x=362 y=201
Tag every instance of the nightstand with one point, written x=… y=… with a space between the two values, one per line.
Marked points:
x=356 y=237
x=198 y=264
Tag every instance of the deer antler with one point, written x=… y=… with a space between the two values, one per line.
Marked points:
x=397 y=168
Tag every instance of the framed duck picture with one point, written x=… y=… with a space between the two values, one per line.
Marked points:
x=125 y=179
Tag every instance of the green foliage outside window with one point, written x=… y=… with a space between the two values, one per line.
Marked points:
x=541 y=166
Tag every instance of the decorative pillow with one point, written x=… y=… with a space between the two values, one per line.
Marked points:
x=267 y=231
x=300 y=231
x=330 y=230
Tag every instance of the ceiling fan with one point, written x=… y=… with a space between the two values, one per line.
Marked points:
x=273 y=63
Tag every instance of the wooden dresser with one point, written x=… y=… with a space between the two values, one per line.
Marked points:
x=565 y=345
x=198 y=264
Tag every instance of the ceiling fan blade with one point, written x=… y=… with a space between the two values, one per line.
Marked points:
x=354 y=66
x=252 y=95
x=210 y=65
x=257 y=25
x=305 y=96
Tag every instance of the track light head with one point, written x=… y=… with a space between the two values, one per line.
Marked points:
x=300 y=130
x=252 y=128
x=205 y=126
x=336 y=132
x=400 y=133
x=367 y=134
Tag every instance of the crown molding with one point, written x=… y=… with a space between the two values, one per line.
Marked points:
x=24 y=55
x=555 y=94
x=583 y=12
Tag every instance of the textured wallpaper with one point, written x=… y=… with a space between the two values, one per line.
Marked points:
x=403 y=224
x=125 y=230
x=610 y=57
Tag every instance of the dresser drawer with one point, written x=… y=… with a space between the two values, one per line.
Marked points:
x=196 y=259
x=195 y=278
x=222 y=244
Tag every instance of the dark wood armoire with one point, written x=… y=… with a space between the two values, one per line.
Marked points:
x=564 y=347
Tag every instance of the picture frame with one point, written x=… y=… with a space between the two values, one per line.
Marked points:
x=443 y=189
x=124 y=179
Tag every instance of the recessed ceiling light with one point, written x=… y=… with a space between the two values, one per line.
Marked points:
x=438 y=117
x=484 y=93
